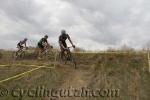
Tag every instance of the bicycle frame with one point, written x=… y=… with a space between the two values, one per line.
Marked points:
x=19 y=54
x=67 y=56
x=46 y=52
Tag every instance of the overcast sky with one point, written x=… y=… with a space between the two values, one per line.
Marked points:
x=92 y=24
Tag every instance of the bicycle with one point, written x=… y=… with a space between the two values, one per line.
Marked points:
x=47 y=53
x=68 y=57
x=19 y=54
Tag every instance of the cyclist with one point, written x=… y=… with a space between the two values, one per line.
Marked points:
x=62 y=41
x=42 y=45
x=20 y=45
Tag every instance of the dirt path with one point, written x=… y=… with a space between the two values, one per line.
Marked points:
x=76 y=79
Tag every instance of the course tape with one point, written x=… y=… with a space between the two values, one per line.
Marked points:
x=55 y=59
x=38 y=67
x=24 y=73
x=25 y=66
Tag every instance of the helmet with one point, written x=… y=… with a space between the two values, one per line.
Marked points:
x=46 y=36
x=25 y=39
x=63 y=32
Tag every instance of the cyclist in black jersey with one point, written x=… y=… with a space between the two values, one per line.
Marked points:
x=43 y=42
x=62 y=41
x=42 y=45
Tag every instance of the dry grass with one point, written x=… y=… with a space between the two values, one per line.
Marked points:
x=127 y=72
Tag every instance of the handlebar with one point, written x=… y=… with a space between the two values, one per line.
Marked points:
x=70 y=47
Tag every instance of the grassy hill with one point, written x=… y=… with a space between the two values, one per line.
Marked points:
x=125 y=72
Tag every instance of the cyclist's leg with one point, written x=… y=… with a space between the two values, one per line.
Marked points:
x=65 y=44
x=40 y=53
x=67 y=51
x=61 y=52
x=62 y=49
x=20 y=48
x=40 y=50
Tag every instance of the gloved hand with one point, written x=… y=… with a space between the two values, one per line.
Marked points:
x=51 y=47
x=73 y=46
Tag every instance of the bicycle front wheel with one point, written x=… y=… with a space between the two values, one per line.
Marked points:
x=22 y=55
x=14 y=56
x=73 y=61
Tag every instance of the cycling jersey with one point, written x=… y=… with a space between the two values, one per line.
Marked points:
x=21 y=43
x=40 y=43
x=43 y=40
x=63 y=38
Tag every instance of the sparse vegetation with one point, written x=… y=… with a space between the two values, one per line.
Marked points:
x=127 y=72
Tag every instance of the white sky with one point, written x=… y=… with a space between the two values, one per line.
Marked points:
x=92 y=24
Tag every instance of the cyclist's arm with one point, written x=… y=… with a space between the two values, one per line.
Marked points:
x=70 y=40
x=46 y=44
x=25 y=45
x=49 y=45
